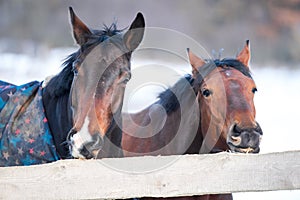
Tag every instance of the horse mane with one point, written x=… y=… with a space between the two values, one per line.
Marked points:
x=235 y=64
x=61 y=83
x=169 y=100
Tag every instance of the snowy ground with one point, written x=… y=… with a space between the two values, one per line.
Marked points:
x=277 y=102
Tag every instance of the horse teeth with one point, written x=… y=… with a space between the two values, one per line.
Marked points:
x=247 y=150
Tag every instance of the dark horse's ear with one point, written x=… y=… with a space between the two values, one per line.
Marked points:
x=134 y=35
x=245 y=55
x=195 y=61
x=80 y=31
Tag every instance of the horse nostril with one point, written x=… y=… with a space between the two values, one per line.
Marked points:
x=72 y=132
x=237 y=130
x=98 y=142
x=86 y=153
x=258 y=129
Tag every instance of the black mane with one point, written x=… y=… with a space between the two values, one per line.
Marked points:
x=61 y=83
x=233 y=63
x=169 y=100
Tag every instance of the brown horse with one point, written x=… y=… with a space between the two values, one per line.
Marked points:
x=83 y=103
x=77 y=113
x=210 y=111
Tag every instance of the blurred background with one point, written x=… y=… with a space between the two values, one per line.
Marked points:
x=273 y=26
x=35 y=37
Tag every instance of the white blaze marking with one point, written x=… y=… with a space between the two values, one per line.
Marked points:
x=80 y=138
x=228 y=73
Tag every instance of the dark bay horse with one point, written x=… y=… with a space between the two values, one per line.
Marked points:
x=77 y=113
x=210 y=111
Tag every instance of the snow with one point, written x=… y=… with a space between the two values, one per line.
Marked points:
x=21 y=68
x=277 y=101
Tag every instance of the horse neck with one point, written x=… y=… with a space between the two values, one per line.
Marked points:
x=164 y=133
x=183 y=123
x=59 y=115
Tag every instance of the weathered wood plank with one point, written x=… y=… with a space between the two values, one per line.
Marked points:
x=153 y=176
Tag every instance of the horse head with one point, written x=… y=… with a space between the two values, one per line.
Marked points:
x=84 y=102
x=225 y=95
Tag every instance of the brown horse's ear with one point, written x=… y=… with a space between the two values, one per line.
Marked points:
x=195 y=61
x=80 y=30
x=244 y=55
x=135 y=34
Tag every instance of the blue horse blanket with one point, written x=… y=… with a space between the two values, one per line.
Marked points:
x=25 y=137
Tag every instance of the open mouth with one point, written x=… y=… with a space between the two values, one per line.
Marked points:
x=244 y=140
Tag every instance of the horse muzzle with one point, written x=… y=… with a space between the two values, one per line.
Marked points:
x=244 y=140
x=91 y=149
x=80 y=147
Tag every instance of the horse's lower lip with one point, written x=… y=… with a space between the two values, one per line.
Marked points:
x=244 y=150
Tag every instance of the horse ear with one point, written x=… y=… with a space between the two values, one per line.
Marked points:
x=244 y=55
x=195 y=61
x=134 y=35
x=80 y=30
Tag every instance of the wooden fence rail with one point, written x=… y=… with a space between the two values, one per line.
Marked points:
x=162 y=176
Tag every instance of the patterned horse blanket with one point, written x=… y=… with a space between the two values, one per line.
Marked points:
x=25 y=137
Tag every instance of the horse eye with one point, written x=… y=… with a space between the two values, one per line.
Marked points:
x=126 y=77
x=206 y=92
x=75 y=67
x=254 y=90
x=75 y=71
